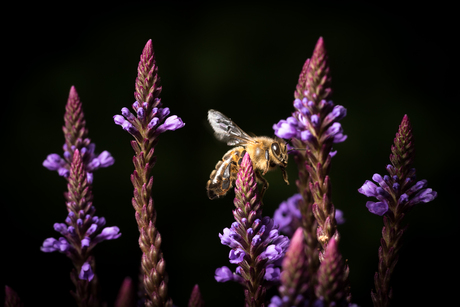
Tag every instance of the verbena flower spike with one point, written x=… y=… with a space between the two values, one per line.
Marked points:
x=313 y=128
x=82 y=230
x=149 y=122
x=397 y=193
x=254 y=240
x=76 y=137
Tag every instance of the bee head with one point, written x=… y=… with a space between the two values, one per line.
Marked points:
x=279 y=151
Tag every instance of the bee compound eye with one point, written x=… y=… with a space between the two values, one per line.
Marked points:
x=276 y=148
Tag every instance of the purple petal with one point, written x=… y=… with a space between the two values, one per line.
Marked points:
x=153 y=122
x=379 y=208
x=339 y=216
x=171 y=123
x=86 y=272
x=236 y=256
x=53 y=162
x=50 y=245
x=369 y=189
x=230 y=238
x=272 y=273
x=128 y=115
x=108 y=233
x=223 y=274
x=85 y=242
x=119 y=120
x=285 y=130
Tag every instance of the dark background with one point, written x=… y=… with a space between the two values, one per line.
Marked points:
x=244 y=60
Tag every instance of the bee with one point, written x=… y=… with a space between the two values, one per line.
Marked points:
x=265 y=153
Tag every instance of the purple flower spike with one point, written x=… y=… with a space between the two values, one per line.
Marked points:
x=255 y=240
x=76 y=134
x=146 y=125
x=86 y=272
x=397 y=193
x=80 y=232
x=314 y=129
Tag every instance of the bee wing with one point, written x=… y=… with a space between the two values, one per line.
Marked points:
x=226 y=130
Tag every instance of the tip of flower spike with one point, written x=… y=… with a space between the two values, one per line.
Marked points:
x=246 y=162
x=73 y=92
x=148 y=49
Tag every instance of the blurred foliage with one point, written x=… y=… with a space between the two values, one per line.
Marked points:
x=243 y=60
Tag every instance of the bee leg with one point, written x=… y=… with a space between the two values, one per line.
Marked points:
x=285 y=176
x=264 y=182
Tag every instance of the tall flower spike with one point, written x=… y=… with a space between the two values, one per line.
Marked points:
x=149 y=121
x=76 y=138
x=397 y=194
x=255 y=242
x=80 y=233
x=313 y=129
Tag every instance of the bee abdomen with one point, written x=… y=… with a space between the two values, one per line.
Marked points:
x=223 y=176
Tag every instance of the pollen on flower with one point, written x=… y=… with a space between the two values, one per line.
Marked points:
x=323 y=239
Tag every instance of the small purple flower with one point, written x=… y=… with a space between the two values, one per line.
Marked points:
x=103 y=160
x=379 y=208
x=275 y=302
x=272 y=273
x=86 y=272
x=223 y=274
x=236 y=256
x=108 y=233
x=230 y=238
x=171 y=123
x=54 y=162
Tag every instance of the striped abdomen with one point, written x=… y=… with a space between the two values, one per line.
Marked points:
x=224 y=174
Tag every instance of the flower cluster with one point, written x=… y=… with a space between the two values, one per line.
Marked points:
x=389 y=190
x=313 y=124
x=54 y=162
x=151 y=119
x=89 y=226
x=263 y=235
x=158 y=121
x=399 y=191
x=76 y=136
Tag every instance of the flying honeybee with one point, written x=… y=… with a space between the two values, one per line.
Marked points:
x=265 y=153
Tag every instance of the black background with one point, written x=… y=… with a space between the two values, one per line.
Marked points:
x=244 y=60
